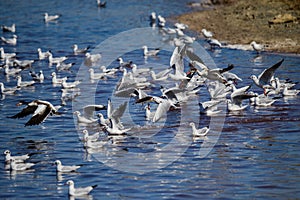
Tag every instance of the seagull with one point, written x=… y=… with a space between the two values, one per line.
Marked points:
x=206 y=33
x=76 y=50
x=90 y=109
x=4 y=55
x=152 y=17
x=55 y=80
x=161 y=76
x=39 y=109
x=257 y=47
x=261 y=100
x=150 y=52
x=18 y=159
x=69 y=85
x=12 y=71
x=42 y=55
x=209 y=107
x=19 y=166
x=55 y=60
x=96 y=76
x=148 y=113
x=123 y=64
x=79 y=191
x=4 y=90
x=214 y=43
x=289 y=92
x=63 y=66
x=91 y=59
x=235 y=103
x=65 y=168
x=161 y=21
x=108 y=71
x=37 y=77
x=21 y=83
x=137 y=71
x=176 y=61
x=181 y=26
x=49 y=18
x=23 y=63
x=83 y=119
x=92 y=138
x=113 y=129
x=11 y=41
x=199 y=132
x=11 y=28
x=263 y=79
x=101 y=4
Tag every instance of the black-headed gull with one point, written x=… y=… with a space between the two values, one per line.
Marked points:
x=4 y=90
x=39 y=109
x=11 y=28
x=92 y=138
x=214 y=43
x=290 y=92
x=101 y=4
x=4 y=55
x=96 y=76
x=21 y=83
x=55 y=80
x=49 y=18
x=65 y=168
x=42 y=55
x=17 y=159
x=153 y=52
x=161 y=21
x=263 y=79
x=64 y=66
x=235 y=103
x=81 y=191
x=199 y=132
x=207 y=33
x=20 y=166
x=37 y=77
x=11 y=41
x=11 y=71
x=152 y=17
x=76 y=50
x=257 y=47
x=23 y=63
x=55 y=60
x=69 y=85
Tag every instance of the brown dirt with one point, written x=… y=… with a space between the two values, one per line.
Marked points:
x=243 y=21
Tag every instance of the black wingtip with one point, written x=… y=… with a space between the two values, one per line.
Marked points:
x=94 y=186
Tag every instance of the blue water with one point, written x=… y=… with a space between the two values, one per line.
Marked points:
x=256 y=155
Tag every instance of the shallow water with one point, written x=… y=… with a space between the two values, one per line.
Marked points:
x=256 y=155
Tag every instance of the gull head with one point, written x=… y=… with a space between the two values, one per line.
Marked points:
x=192 y=124
x=253 y=43
x=57 y=162
x=253 y=77
x=15 y=36
x=85 y=132
x=70 y=182
x=53 y=74
x=77 y=113
x=6 y=152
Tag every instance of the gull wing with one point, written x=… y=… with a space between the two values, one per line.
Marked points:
x=267 y=74
x=26 y=111
x=40 y=114
x=239 y=98
x=118 y=112
x=193 y=57
x=161 y=110
x=90 y=109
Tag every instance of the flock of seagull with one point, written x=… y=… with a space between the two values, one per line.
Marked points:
x=221 y=85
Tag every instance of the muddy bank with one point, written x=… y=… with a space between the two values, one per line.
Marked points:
x=274 y=23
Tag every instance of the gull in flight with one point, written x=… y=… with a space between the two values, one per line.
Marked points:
x=11 y=41
x=39 y=109
x=11 y=28
x=17 y=159
x=79 y=191
x=65 y=168
x=199 y=132
x=49 y=18
x=263 y=79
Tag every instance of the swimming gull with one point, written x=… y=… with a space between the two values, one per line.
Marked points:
x=64 y=66
x=199 y=132
x=147 y=52
x=55 y=60
x=11 y=41
x=290 y=92
x=69 y=85
x=21 y=83
x=96 y=76
x=18 y=159
x=42 y=55
x=65 y=168
x=55 y=80
x=19 y=166
x=76 y=50
x=11 y=28
x=37 y=77
x=92 y=138
x=4 y=55
x=101 y=4
x=49 y=18
x=84 y=120
x=4 y=90
x=79 y=191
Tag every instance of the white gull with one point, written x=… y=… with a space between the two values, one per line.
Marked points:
x=65 y=168
x=199 y=132
x=81 y=191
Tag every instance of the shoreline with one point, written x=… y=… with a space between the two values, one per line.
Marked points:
x=239 y=22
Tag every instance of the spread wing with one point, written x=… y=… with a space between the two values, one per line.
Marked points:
x=90 y=109
x=267 y=74
x=161 y=110
x=39 y=115
x=26 y=111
